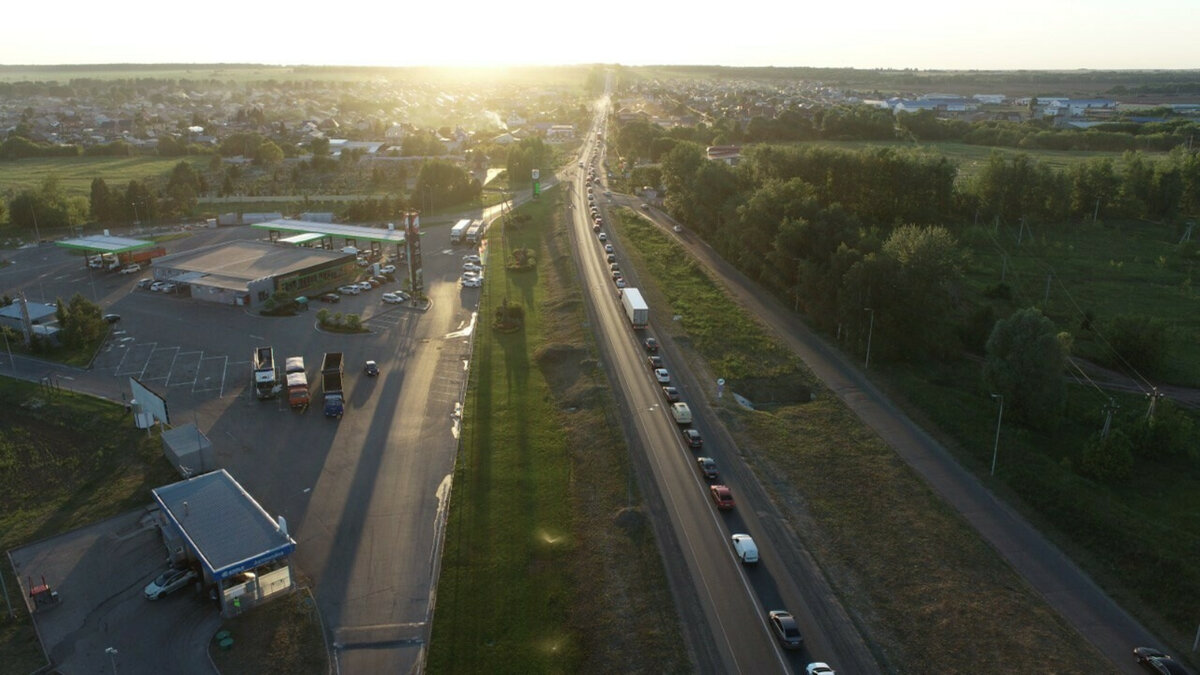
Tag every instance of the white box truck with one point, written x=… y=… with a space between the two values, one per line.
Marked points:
x=635 y=306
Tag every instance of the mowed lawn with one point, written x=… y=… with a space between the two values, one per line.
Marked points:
x=548 y=564
x=75 y=174
x=928 y=592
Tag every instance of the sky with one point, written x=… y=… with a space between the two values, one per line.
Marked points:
x=922 y=34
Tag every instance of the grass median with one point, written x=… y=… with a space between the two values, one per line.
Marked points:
x=549 y=565
x=929 y=594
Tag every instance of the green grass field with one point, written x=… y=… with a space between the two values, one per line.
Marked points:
x=75 y=174
x=67 y=461
x=913 y=574
x=534 y=529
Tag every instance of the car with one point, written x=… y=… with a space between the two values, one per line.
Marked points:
x=651 y=345
x=693 y=438
x=608 y=248
x=655 y=361
x=785 y=628
x=617 y=275
x=671 y=394
x=614 y=267
x=707 y=467
x=1156 y=661
x=620 y=283
x=329 y=297
x=745 y=548
x=392 y=298
x=677 y=228
x=157 y=285
x=819 y=668
x=171 y=580
x=611 y=258
x=362 y=262
x=373 y=282
x=349 y=289
x=471 y=267
x=596 y=227
x=131 y=269
x=371 y=368
x=662 y=376
x=387 y=269
x=645 y=207
x=145 y=283
x=112 y=318
x=472 y=282
x=603 y=237
x=471 y=258
x=169 y=287
x=365 y=286
x=722 y=496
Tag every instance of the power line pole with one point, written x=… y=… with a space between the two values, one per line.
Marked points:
x=1108 y=415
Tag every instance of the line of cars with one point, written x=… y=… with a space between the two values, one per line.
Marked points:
x=160 y=286
x=472 y=275
x=782 y=623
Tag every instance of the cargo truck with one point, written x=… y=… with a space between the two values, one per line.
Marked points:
x=264 y=372
x=635 y=307
x=143 y=257
x=331 y=384
x=297 y=381
x=459 y=231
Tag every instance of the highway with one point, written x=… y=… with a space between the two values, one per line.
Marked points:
x=723 y=603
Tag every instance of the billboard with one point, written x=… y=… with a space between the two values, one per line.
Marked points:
x=149 y=404
x=412 y=241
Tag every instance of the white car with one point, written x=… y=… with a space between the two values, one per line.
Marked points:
x=603 y=237
x=169 y=581
x=364 y=285
x=471 y=267
x=662 y=376
x=131 y=269
x=608 y=248
x=168 y=287
x=471 y=258
x=157 y=285
x=349 y=289
x=472 y=282
x=745 y=548
x=819 y=668
x=388 y=269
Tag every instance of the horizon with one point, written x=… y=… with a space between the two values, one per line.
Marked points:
x=871 y=35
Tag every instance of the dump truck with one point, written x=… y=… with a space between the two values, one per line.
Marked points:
x=331 y=384
x=264 y=372
x=635 y=306
x=297 y=381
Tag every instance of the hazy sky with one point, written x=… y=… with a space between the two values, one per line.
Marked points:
x=1061 y=34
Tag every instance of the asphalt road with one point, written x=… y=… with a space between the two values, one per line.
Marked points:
x=722 y=602
x=1064 y=586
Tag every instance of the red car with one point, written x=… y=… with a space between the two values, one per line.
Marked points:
x=722 y=496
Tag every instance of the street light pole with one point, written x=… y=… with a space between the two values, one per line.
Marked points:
x=112 y=658
x=999 y=419
x=870 y=331
x=137 y=220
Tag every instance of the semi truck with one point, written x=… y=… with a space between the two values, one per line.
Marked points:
x=475 y=231
x=297 y=381
x=111 y=261
x=264 y=372
x=331 y=384
x=459 y=231
x=635 y=306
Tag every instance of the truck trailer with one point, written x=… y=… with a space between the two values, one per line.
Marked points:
x=297 y=381
x=459 y=231
x=635 y=306
x=331 y=384
x=264 y=373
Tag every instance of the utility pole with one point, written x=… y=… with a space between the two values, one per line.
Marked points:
x=1096 y=212
x=870 y=330
x=36 y=232
x=999 y=419
x=1046 y=298
x=1108 y=415
x=1153 y=396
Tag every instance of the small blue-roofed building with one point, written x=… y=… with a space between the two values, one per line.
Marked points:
x=242 y=553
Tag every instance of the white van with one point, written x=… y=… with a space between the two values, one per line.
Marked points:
x=681 y=412
x=744 y=547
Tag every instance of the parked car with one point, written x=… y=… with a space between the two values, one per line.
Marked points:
x=365 y=286
x=372 y=282
x=330 y=297
x=472 y=258
x=784 y=625
x=707 y=467
x=169 y=287
x=645 y=207
x=472 y=282
x=388 y=269
x=722 y=496
x=145 y=283
x=168 y=582
x=157 y=285
x=371 y=368
x=392 y=298
x=112 y=318
x=471 y=267
x=131 y=269
x=349 y=289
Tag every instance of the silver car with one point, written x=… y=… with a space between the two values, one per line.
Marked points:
x=169 y=581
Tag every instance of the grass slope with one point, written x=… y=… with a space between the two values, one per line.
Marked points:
x=75 y=174
x=911 y=572
x=548 y=563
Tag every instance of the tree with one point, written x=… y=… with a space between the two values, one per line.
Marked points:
x=1024 y=363
x=102 y=202
x=81 y=323
x=1137 y=340
x=268 y=154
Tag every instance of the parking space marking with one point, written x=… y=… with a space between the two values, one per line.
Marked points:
x=135 y=358
x=207 y=377
x=183 y=371
x=159 y=364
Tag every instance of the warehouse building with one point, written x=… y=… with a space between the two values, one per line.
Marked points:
x=248 y=273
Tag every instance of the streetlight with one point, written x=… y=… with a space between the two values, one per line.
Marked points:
x=870 y=330
x=112 y=658
x=137 y=220
x=999 y=419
